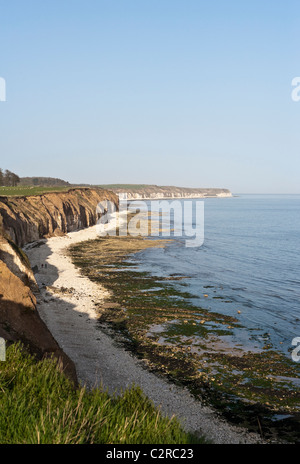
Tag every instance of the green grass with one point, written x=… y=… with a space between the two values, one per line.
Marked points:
x=23 y=190
x=26 y=191
x=40 y=405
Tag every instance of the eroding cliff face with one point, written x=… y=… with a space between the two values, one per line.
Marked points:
x=27 y=219
x=17 y=262
x=19 y=318
x=24 y=220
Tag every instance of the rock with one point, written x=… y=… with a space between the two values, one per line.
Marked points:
x=20 y=321
x=24 y=220
x=28 y=219
x=160 y=192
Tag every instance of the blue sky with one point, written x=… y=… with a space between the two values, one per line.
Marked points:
x=188 y=93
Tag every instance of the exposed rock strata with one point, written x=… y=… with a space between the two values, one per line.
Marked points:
x=27 y=219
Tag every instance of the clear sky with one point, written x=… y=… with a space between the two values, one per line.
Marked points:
x=189 y=93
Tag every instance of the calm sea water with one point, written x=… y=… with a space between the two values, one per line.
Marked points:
x=249 y=262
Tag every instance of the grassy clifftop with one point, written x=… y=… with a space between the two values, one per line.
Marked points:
x=24 y=190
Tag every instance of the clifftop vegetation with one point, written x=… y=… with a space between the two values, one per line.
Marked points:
x=44 y=182
x=8 y=178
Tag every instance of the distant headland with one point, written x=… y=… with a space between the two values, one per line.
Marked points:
x=144 y=191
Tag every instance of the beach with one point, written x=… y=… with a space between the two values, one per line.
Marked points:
x=70 y=305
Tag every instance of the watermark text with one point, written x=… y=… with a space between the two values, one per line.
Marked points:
x=296 y=89
x=2 y=90
x=2 y=349
x=155 y=218
x=296 y=351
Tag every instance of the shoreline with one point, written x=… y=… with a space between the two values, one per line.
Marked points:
x=70 y=305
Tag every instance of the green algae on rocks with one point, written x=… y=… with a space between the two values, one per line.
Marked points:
x=192 y=346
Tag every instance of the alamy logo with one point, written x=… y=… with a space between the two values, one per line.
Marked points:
x=155 y=218
x=296 y=351
x=296 y=90
x=2 y=349
x=2 y=90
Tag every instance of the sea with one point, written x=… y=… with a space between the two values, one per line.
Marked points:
x=248 y=264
